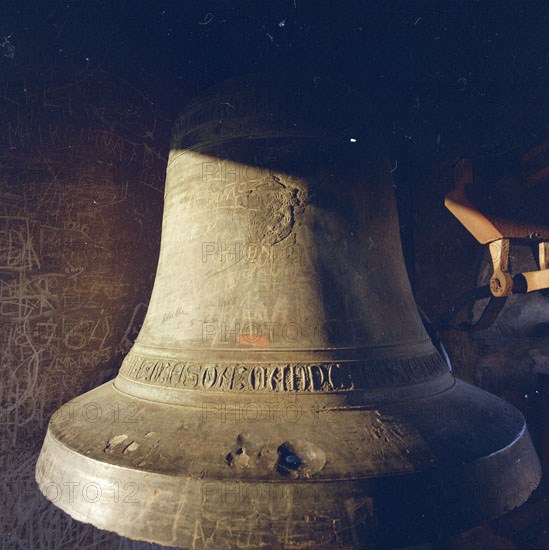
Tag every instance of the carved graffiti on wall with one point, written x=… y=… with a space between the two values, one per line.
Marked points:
x=81 y=180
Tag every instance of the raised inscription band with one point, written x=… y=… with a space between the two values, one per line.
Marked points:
x=283 y=377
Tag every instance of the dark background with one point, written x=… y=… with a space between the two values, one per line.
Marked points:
x=89 y=92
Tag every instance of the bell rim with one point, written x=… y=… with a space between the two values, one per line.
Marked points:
x=512 y=468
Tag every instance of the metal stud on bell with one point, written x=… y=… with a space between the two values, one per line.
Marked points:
x=282 y=392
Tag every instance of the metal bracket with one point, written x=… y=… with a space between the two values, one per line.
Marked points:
x=502 y=283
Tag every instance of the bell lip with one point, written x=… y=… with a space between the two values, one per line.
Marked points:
x=421 y=411
x=513 y=468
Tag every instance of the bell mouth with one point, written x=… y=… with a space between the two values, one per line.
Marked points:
x=181 y=475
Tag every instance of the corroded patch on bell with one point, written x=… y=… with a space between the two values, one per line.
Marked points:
x=300 y=458
x=272 y=206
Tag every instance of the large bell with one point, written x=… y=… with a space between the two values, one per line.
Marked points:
x=282 y=392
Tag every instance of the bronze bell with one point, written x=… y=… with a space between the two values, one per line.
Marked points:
x=282 y=392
